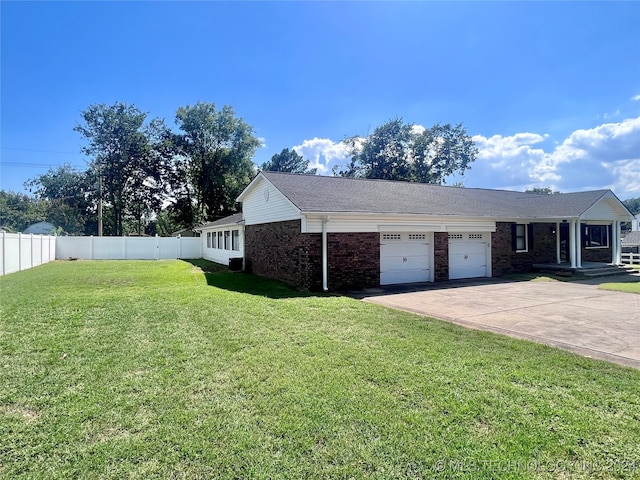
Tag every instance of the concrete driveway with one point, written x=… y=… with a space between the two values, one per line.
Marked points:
x=573 y=316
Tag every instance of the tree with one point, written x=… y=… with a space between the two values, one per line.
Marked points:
x=403 y=151
x=633 y=204
x=18 y=211
x=121 y=145
x=288 y=161
x=213 y=163
x=71 y=197
x=541 y=191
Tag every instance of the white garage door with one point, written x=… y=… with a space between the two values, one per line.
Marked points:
x=405 y=258
x=468 y=254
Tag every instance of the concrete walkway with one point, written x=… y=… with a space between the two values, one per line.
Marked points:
x=573 y=316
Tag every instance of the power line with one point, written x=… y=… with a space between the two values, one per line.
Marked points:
x=39 y=151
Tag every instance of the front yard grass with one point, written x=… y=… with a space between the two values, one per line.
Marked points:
x=133 y=369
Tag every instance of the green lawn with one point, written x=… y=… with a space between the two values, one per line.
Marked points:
x=132 y=369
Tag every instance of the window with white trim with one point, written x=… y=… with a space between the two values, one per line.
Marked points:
x=417 y=236
x=596 y=236
x=227 y=237
x=521 y=239
x=214 y=240
x=235 y=240
x=220 y=241
x=208 y=239
x=455 y=236
x=475 y=236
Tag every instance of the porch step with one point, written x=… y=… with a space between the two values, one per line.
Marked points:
x=608 y=270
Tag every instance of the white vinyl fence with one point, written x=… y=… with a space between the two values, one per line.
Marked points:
x=21 y=251
x=128 y=248
x=631 y=258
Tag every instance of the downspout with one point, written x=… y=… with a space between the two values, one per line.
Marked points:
x=325 y=260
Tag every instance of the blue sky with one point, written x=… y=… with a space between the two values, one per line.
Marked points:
x=549 y=91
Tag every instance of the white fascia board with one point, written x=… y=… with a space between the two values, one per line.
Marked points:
x=225 y=226
x=250 y=186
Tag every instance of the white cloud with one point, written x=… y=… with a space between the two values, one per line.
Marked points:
x=636 y=98
x=418 y=129
x=606 y=156
x=322 y=152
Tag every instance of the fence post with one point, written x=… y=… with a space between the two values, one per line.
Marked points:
x=157 y=247
x=19 y=252
x=4 y=250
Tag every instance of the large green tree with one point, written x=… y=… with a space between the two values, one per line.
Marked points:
x=633 y=204
x=402 y=151
x=121 y=145
x=213 y=164
x=288 y=161
x=18 y=211
x=70 y=196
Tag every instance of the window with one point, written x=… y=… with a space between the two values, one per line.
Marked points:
x=391 y=236
x=417 y=236
x=455 y=236
x=235 y=240
x=227 y=235
x=214 y=240
x=596 y=236
x=208 y=239
x=220 y=243
x=522 y=237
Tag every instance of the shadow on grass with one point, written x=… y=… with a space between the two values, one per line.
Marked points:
x=219 y=276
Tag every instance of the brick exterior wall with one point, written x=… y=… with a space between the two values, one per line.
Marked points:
x=278 y=250
x=354 y=260
x=604 y=255
x=505 y=260
x=441 y=256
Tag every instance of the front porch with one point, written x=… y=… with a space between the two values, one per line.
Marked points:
x=589 y=269
x=571 y=247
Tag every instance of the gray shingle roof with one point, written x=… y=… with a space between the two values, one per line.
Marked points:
x=631 y=238
x=230 y=220
x=315 y=193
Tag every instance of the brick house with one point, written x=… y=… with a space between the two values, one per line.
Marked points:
x=333 y=233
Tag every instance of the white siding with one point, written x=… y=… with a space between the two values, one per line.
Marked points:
x=388 y=223
x=606 y=209
x=264 y=204
x=222 y=255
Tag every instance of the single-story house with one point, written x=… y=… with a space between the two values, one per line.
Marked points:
x=333 y=233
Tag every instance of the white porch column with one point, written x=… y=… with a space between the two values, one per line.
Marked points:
x=572 y=243
x=616 y=247
x=558 y=243
x=578 y=244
